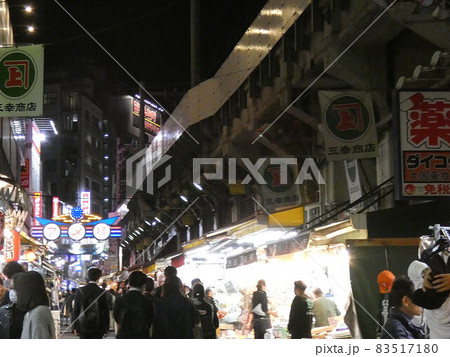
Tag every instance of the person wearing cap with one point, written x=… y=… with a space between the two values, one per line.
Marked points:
x=385 y=280
x=399 y=324
x=301 y=314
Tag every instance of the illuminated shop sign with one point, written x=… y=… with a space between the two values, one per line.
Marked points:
x=152 y=116
x=99 y=230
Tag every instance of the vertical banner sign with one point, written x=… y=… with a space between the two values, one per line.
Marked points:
x=349 y=124
x=424 y=129
x=11 y=250
x=353 y=181
x=55 y=207
x=25 y=174
x=21 y=81
x=37 y=206
x=86 y=202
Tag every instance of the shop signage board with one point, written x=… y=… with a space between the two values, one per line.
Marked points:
x=287 y=246
x=242 y=259
x=277 y=195
x=55 y=206
x=353 y=181
x=37 y=206
x=21 y=91
x=424 y=139
x=152 y=116
x=25 y=174
x=86 y=202
x=349 y=125
x=97 y=230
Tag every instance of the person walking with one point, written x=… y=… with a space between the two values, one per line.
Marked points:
x=148 y=291
x=32 y=297
x=175 y=315
x=301 y=314
x=91 y=313
x=206 y=312
x=11 y=318
x=399 y=324
x=323 y=308
x=133 y=312
x=260 y=315
x=9 y=270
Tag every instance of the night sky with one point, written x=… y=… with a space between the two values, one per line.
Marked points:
x=150 y=38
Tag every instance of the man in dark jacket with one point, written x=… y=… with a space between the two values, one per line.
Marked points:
x=133 y=312
x=301 y=314
x=399 y=324
x=95 y=299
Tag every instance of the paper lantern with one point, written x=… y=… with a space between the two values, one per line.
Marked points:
x=30 y=255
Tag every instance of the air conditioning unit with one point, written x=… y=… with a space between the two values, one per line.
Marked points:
x=310 y=214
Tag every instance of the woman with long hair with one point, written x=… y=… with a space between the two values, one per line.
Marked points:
x=175 y=315
x=32 y=298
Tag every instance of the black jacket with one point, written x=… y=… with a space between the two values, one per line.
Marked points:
x=94 y=291
x=300 y=317
x=175 y=317
x=139 y=309
x=399 y=326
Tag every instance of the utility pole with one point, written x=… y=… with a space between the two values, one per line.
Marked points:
x=195 y=7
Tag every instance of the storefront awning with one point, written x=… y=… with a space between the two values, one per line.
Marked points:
x=338 y=232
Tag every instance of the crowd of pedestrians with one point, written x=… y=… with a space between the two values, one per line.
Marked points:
x=138 y=310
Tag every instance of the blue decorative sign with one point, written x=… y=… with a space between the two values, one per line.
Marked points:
x=76 y=213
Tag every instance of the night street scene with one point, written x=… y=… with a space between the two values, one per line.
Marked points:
x=228 y=170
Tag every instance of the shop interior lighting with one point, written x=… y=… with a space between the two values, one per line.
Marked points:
x=30 y=28
x=157 y=219
x=141 y=229
x=28 y=9
x=154 y=223
x=262 y=237
x=147 y=222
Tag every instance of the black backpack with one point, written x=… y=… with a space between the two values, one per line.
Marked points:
x=89 y=319
x=132 y=323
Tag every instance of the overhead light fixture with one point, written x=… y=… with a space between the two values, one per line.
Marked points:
x=184 y=198
x=437 y=56
x=30 y=28
x=28 y=9
x=141 y=229
x=156 y=218
x=137 y=232
x=147 y=222
x=198 y=187
x=154 y=223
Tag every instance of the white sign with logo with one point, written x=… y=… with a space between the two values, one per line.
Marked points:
x=349 y=124
x=22 y=78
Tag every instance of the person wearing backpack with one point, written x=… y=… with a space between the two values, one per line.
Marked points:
x=133 y=312
x=90 y=312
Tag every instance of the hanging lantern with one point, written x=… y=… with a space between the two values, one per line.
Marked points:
x=11 y=250
x=30 y=255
